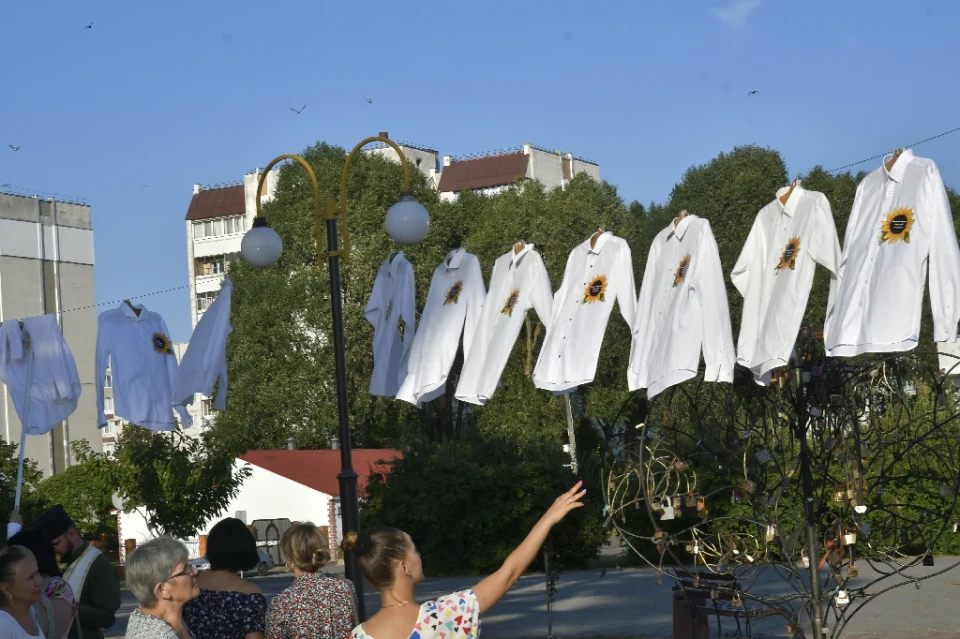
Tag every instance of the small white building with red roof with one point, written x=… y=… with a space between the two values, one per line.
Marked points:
x=284 y=486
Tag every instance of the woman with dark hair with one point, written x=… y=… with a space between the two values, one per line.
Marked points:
x=58 y=606
x=228 y=606
x=391 y=564
x=20 y=588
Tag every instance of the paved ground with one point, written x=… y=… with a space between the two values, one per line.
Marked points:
x=629 y=603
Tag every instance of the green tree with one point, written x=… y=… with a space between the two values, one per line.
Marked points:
x=30 y=506
x=182 y=482
x=510 y=483
x=84 y=495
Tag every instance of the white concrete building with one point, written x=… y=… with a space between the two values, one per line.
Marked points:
x=425 y=159
x=492 y=173
x=285 y=486
x=46 y=267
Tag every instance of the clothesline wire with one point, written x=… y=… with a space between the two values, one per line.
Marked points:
x=882 y=155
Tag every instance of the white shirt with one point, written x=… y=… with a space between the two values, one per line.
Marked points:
x=774 y=274
x=682 y=306
x=391 y=310
x=206 y=358
x=144 y=375
x=593 y=280
x=453 y=307
x=54 y=385
x=10 y=628
x=519 y=283
x=899 y=226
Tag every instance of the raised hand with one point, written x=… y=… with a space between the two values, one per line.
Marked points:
x=564 y=504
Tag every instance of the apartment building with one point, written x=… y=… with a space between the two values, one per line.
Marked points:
x=46 y=266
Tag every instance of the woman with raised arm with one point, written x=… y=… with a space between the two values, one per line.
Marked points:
x=390 y=562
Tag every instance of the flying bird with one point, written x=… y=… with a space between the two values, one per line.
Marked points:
x=298 y=111
x=369 y=100
x=3 y=186
x=144 y=186
x=89 y=26
x=14 y=148
x=752 y=92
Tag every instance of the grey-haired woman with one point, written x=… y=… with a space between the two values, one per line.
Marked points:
x=163 y=582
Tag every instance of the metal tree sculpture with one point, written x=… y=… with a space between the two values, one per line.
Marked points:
x=835 y=465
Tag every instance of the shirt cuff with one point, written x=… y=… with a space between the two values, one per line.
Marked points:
x=13 y=528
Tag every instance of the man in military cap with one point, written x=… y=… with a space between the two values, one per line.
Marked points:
x=89 y=573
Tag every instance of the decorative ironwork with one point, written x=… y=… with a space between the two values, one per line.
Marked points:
x=860 y=455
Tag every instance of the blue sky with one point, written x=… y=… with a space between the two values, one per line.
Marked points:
x=171 y=94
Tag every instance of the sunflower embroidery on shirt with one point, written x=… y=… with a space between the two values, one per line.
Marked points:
x=897 y=226
x=401 y=327
x=681 y=273
x=453 y=295
x=596 y=290
x=162 y=344
x=511 y=303
x=788 y=259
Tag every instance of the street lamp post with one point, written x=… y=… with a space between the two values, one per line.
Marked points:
x=407 y=222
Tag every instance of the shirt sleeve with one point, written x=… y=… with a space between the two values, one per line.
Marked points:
x=65 y=382
x=219 y=352
x=825 y=248
x=171 y=362
x=740 y=275
x=641 y=319
x=718 y=351
x=254 y=614
x=102 y=359
x=463 y=610
x=372 y=312
x=476 y=293
x=626 y=287
x=541 y=295
x=944 y=259
x=408 y=307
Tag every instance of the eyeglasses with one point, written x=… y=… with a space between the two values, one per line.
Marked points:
x=189 y=570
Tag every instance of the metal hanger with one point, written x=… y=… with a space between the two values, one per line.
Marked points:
x=133 y=308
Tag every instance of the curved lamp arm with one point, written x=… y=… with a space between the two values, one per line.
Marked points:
x=333 y=211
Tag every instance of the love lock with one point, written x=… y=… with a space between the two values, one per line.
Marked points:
x=852 y=571
x=736 y=602
x=842 y=599
x=690 y=501
x=749 y=487
x=848 y=538
x=763 y=457
x=677 y=504
x=771 y=532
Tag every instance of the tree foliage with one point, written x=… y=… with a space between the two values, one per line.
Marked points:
x=467 y=503
x=84 y=495
x=182 y=482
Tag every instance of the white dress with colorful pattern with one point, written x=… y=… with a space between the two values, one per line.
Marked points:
x=453 y=616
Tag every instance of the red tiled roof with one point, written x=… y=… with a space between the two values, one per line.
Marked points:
x=212 y=203
x=494 y=170
x=318 y=469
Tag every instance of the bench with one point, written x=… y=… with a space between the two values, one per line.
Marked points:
x=695 y=596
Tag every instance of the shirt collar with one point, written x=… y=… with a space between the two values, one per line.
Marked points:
x=681 y=227
x=896 y=173
x=395 y=263
x=454 y=258
x=601 y=240
x=515 y=257
x=791 y=206
x=129 y=311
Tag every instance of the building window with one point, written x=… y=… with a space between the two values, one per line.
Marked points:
x=108 y=429
x=219 y=227
x=211 y=265
x=204 y=300
x=206 y=408
x=108 y=407
x=108 y=383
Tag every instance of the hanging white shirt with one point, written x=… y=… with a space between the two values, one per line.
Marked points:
x=774 y=274
x=453 y=307
x=682 y=307
x=594 y=278
x=206 y=358
x=144 y=372
x=519 y=283
x=392 y=312
x=54 y=386
x=900 y=226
